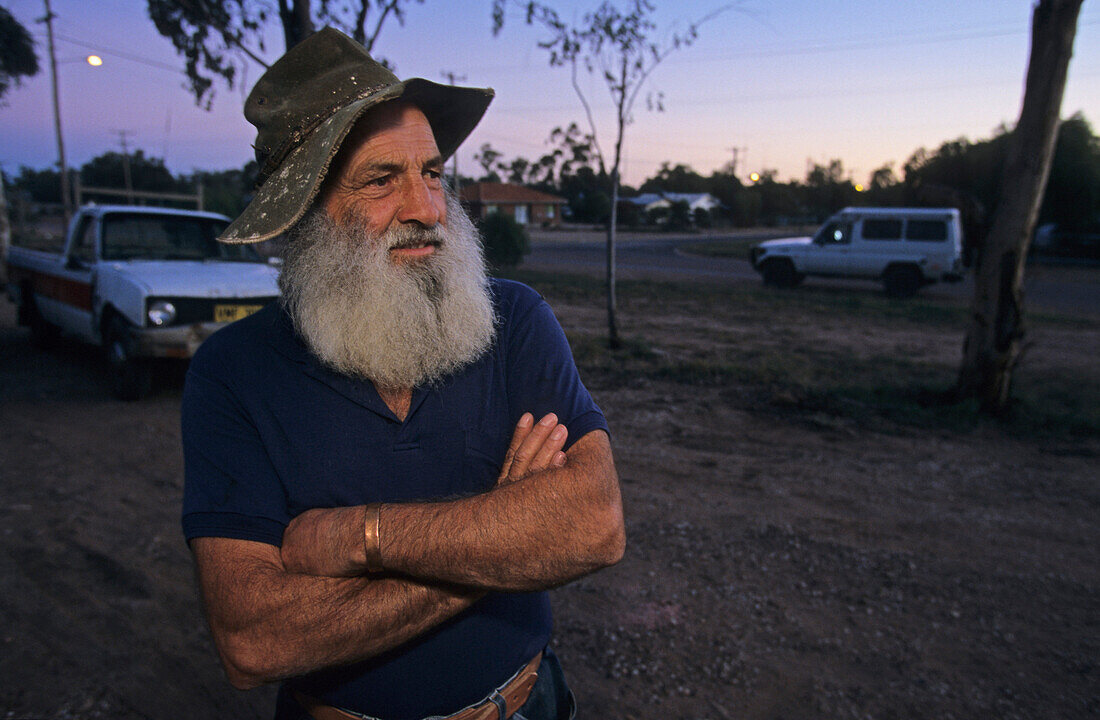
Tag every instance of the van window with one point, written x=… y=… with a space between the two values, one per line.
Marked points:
x=882 y=229
x=926 y=230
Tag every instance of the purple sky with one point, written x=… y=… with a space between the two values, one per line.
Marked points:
x=787 y=82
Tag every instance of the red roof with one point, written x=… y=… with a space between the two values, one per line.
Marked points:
x=506 y=194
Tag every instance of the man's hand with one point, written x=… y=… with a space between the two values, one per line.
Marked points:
x=533 y=448
x=330 y=541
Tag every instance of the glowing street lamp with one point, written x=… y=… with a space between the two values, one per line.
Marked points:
x=755 y=177
x=94 y=60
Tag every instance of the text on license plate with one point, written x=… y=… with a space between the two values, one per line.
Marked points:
x=229 y=313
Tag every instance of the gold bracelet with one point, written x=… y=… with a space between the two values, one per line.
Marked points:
x=372 y=542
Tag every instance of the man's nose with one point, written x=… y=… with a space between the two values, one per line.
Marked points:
x=421 y=203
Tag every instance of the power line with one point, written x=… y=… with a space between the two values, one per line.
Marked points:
x=118 y=53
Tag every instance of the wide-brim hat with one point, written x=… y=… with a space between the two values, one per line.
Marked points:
x=306 y=104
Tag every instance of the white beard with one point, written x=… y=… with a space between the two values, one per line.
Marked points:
x=399 y=325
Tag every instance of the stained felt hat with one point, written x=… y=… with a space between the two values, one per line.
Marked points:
x=305 y=105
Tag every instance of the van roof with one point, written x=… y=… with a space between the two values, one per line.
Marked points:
x=900 y=211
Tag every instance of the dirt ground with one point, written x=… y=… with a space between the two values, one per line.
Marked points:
x=780 y=564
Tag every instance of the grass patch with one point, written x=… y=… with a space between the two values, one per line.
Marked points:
x=750 y=298
x=877 y=391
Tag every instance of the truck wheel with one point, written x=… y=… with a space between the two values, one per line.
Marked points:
x=131 y=377
x=43 y=334
x=781 y=273
x=902 y=281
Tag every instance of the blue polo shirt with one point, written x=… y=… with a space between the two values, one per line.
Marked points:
x=268 y=433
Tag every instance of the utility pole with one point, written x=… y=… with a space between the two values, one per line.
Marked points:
x=739 y=154
x=126 y=163
x=452 y=78
x=66 y=207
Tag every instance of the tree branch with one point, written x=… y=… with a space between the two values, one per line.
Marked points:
x=386 y=10
x=588 y=114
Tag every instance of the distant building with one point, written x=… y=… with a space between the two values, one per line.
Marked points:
x=522 y=204
x=659 y=201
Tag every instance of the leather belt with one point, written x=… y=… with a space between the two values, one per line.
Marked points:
x=501 y=704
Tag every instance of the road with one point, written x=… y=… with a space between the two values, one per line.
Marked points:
x=1063 y=289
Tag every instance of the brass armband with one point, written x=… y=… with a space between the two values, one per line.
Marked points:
x=371 y=540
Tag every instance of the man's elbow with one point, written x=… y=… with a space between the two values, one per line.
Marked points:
x=609 y=541
x=246 y=665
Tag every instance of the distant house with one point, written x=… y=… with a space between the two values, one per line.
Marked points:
x=658 y=201
x=524 y=205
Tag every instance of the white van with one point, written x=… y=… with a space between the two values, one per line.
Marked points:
x=905 y=248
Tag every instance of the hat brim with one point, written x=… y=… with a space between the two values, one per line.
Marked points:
x=284 y=197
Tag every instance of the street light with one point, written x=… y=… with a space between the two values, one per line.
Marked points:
x=94 y=60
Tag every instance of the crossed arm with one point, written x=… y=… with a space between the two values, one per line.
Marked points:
x=552 y=517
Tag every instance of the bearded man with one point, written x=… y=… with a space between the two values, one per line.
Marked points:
x=374 y=511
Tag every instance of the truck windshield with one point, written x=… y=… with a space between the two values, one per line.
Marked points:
x=142 y=236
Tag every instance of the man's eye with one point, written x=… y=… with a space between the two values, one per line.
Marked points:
x=378 y=181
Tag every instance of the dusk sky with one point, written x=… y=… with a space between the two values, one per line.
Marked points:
x=787 y=82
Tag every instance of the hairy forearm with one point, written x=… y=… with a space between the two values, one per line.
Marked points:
x=270 y=624
x=539 y=532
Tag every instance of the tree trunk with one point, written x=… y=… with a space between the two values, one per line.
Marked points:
x=612 y=325
x=297 y=21
x=995 y=337
x=5 y=236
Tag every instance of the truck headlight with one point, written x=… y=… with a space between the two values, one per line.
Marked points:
x=161 y=312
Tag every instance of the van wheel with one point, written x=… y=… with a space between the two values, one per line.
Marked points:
x=131 y=377
x=781 y=273
x=902 y=281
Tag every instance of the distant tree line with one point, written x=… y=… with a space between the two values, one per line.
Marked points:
x=960 y=173
x=224 y=191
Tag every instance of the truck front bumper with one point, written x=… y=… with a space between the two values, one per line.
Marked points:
x=172 y=342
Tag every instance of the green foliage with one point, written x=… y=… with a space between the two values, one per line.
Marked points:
x=213 y=37
x=228 y=191
x=216 y=38
x=679 y=216
x=967 y=175
x=679 y=178
x=17 y=57
x=589 y=195
x=1072 y=198
x=827 y=190
x=42 y=186
x=225 y=191
x=630 y=215
x=146 y=173
x=505 y=241
x=701 y=218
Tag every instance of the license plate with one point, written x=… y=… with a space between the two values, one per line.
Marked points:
x=229 y=313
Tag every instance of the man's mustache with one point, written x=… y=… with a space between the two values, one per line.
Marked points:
x=404 y=237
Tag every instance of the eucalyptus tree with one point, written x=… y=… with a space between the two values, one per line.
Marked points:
x=218 y=38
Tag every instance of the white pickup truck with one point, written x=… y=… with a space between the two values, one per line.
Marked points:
x=905 y=248
x=144 y=283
